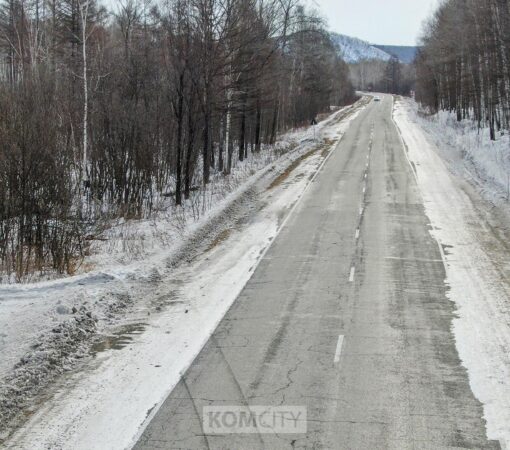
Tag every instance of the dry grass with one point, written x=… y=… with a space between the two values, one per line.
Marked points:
x=284 y=175
x=222 y=237
x=325 y=147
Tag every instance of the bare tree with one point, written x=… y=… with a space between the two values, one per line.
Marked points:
x=464 y=64
x=105 y=115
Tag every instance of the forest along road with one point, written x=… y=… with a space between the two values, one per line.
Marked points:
x=346 y=315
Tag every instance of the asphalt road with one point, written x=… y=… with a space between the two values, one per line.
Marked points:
x=346 y=315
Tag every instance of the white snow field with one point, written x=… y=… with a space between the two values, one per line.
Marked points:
x=172 y=310
x=473 y=238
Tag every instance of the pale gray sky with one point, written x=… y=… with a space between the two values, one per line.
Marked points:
x=389 y=22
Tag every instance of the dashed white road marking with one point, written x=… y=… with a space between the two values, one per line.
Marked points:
x=361 y=211
x=365 y=175
x=357 y=234
x=364 y=189
x=351 y=275
x=338 y=348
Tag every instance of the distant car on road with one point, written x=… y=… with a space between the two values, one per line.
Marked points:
x=377 y=99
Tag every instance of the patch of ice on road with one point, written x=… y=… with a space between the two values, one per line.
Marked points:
x=476 y=267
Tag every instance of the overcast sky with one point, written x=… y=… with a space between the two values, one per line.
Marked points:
x=389 y=22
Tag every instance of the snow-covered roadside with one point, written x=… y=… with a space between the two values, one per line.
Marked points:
x=469 y=151
x=476 y=260
x=104 y=404
x=133 y=251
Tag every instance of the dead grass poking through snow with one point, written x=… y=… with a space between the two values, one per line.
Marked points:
x=222 y=237
x=284 y=175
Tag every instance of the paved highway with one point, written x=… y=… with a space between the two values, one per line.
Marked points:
x=346 y=315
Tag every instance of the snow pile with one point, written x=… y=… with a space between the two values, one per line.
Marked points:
x=477 y=251
x=47 y=332
x=54 y=354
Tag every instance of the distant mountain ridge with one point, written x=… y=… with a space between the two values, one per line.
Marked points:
x=405 y=53
x=354 y=50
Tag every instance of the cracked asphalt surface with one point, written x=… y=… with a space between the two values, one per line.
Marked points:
x=355 y=259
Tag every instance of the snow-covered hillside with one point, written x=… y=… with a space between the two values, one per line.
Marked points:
x=405 y=53
x=354 y=49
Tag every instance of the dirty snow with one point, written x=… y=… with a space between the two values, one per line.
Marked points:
x=475 y=238
x=171 y=309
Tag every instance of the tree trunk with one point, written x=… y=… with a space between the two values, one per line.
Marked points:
x=221 y=146
x=228 y=140
x=84 y=14
x=242 y=133
x=180 y=120
x=272 y=137
x=205 y=149
x=258 y=126
x=189 y=155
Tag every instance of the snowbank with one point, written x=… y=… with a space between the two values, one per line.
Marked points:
x=469 y=151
